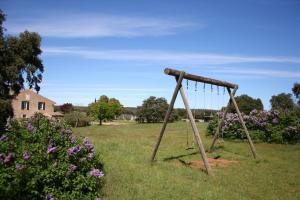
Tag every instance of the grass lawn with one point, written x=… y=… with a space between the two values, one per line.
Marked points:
x=126 y=151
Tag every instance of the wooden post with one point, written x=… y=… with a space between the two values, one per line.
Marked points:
x=221 y=122
x=242 y=122
x=196 y=132
x=178 y=86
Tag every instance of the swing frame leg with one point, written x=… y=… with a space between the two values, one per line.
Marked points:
x=196 y=132
x=232 y=100
x=163 y=128
x=221 y=122
x=243 y=123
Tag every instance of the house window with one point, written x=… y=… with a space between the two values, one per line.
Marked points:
x=24 y=116
x=41 y=105
x=25 y=105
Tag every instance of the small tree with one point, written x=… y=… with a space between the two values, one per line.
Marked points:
x=296 y=91
x=283 y=102
x=105 y=109
x=246 y=104
x=66 y=108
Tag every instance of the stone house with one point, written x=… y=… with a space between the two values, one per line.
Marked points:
x=28 y=102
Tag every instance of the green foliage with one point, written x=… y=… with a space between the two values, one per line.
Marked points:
x=105 y=109
x=19 y=62
x=44 y=160
x=77 y=119
x=282 y=102
x=246 y=104
x=66 y=108
x=5 y=111
x=296 y=91
x=153 y=110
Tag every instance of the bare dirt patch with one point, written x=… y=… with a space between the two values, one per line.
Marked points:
x=113 y=123
x=198 y=164
x=214 y=163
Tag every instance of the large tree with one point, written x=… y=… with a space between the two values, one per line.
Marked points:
x=19 y=62
x=105 y=108
x=153 y=110
x=296 y=91
x=246 y=104
x=283 y=102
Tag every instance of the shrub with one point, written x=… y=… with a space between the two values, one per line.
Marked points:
x=77 y=119
x=267 y=126
x=67 y=108
x=45 y=161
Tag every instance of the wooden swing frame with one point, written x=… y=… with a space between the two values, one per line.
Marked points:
x=179 y=76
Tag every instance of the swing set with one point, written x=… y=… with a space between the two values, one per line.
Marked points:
x=231 y=89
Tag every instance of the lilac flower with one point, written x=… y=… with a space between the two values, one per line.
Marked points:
x=29 y=127
x=67 y=132
x=9 y=158
x=96 y=173
x=26 y=155
x=74 y=150
x=51 y=149
x=73 y=140
x=19 y=167
x=55 y=165
x=3 y=138
x=88 y=145
x=49 y=197
x=275 y=121
x=71 y=169
x=2 y=157
x=90 y=156
x=98 y=198
x=253 y=111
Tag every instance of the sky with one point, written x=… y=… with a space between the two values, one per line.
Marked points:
x=121 y=48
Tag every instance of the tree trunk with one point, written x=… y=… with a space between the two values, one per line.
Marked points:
x=100 y=122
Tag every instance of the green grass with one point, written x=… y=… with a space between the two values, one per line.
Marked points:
x=126 y=151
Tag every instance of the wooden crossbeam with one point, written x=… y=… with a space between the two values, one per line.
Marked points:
x=192 y=77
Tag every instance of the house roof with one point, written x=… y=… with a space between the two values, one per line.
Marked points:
x=32 y=92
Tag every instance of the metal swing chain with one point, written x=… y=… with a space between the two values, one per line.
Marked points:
x=195 y=100
x=187 y=126
x=211 y=99
x=222 y=134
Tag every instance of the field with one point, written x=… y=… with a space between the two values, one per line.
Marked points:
x=126 y=150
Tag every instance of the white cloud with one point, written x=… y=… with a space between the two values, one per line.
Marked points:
x=166 y=57
x=96 y=25
x=258 y=72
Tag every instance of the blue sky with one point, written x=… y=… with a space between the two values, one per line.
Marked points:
x=120 y=48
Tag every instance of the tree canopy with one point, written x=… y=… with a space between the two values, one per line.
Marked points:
x=153 y=110
x=105 y=108
x=296 y=91
x=283 y=102
x=246 y=104
x=66 y=108
x=19 y=63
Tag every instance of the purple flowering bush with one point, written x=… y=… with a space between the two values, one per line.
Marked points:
x=267 y=126
x=42 y=159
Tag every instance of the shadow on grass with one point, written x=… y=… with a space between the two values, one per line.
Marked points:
x=180 y=156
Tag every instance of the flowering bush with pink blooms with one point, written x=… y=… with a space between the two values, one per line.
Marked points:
x=42 y=159
x=267 y=126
